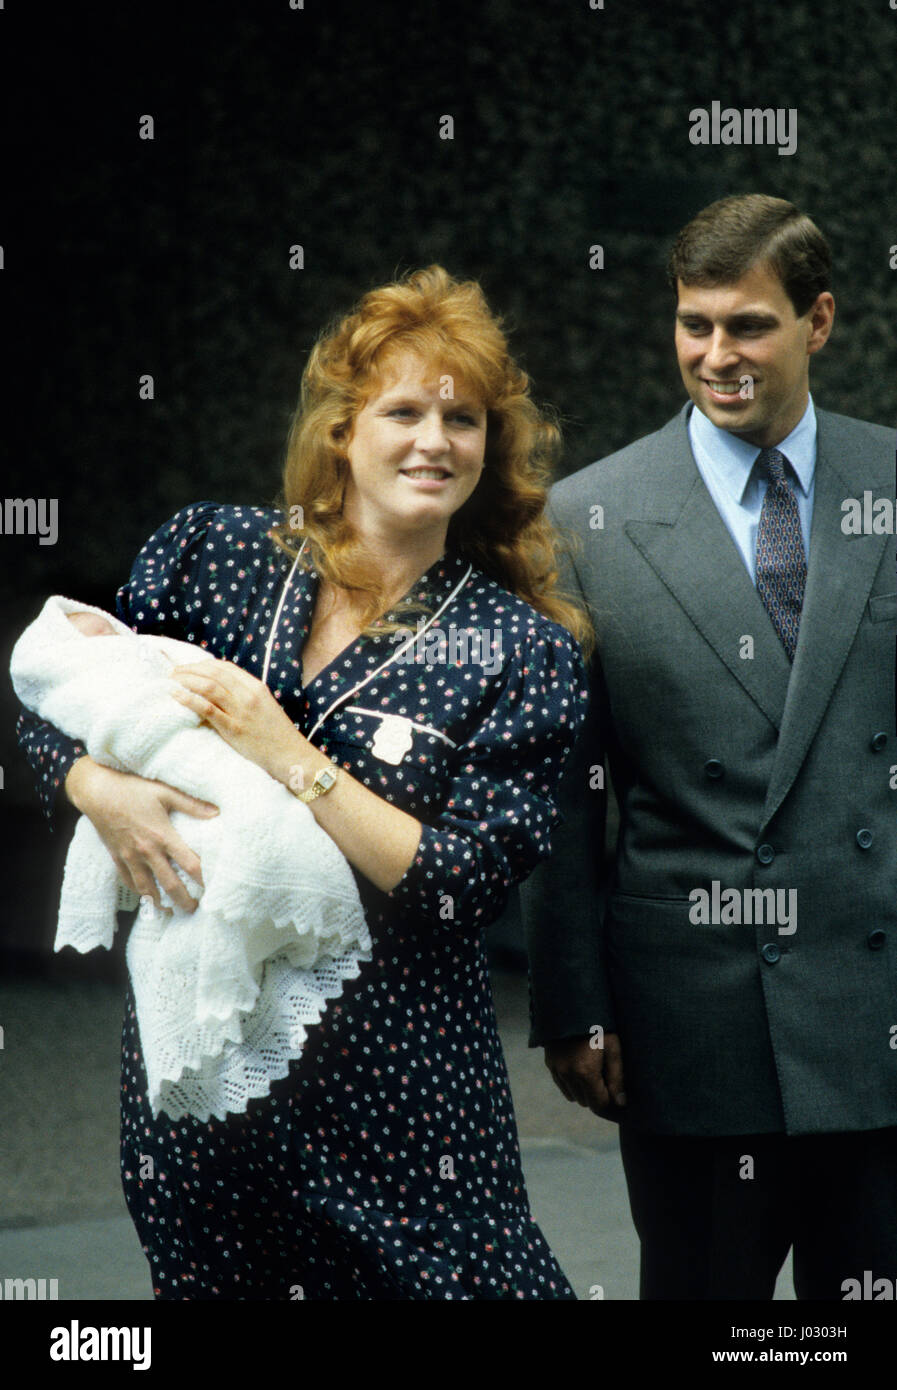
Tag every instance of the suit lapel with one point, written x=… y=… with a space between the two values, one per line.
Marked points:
x=840 y=575
x=689 y=547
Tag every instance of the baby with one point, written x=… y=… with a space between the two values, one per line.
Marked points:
x=91 y=624
x=222 y=994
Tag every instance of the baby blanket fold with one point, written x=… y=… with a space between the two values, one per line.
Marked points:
x=222 y=994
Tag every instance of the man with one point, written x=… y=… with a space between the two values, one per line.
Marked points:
x=743 y=695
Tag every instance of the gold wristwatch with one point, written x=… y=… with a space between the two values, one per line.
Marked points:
x=322 y=783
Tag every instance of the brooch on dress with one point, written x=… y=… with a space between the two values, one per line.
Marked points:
x=392 y=739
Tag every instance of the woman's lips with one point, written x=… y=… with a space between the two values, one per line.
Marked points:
x=427 y=478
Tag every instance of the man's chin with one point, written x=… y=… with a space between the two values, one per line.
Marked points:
x=738 y=418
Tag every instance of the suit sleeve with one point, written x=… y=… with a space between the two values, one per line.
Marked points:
x=562 y=903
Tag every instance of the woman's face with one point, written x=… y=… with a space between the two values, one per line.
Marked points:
x=415 y=451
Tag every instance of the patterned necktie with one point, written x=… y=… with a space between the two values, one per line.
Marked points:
x=781 y=562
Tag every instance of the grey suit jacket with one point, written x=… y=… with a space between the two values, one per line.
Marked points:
x=730 y=766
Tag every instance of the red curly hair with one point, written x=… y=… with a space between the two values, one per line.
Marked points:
x=502 y=528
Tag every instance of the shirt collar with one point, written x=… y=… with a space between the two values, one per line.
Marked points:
x=732 y=459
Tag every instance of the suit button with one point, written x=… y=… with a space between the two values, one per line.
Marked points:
x=864 y=838
x=879 y=741
x=766 y=854
x=876 y=939
x=770 y=952
x=714 y=768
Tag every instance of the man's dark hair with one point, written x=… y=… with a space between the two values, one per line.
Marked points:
x=728 y=237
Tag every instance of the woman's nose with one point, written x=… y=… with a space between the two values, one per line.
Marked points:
x=431 y=435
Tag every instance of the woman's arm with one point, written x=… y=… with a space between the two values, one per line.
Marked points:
x=379 y=839
x=131 y=813
x=131 y=817
x=156 y=599
x=499 y=807
x=51 y=754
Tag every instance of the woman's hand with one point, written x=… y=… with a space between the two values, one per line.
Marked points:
x=131 y=816
x=240 y=708
x=376 y=837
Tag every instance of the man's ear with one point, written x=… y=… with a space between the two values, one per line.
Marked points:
x=821 y=316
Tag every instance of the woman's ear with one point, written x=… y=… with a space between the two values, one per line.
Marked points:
x=341 y=436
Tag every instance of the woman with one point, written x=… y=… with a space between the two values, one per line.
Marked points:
x=386 y=1166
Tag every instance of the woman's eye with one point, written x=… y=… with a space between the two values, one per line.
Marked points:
x=403 y=410
x=464 y=419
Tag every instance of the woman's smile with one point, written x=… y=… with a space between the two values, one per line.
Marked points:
x=430 y=477
x=416 y=450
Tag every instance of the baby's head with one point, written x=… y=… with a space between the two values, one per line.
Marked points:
x=91 y=624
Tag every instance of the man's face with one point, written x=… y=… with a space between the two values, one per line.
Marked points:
x=745 y=355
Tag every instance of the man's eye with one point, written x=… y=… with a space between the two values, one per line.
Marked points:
x=464 y=419
x=694 y=326
x=402 y=410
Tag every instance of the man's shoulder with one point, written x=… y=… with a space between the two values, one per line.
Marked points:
x=859 y=432
x=629 y=469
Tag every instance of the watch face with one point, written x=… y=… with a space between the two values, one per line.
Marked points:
x=326 y=779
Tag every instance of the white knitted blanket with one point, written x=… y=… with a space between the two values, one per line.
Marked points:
x=222 y=994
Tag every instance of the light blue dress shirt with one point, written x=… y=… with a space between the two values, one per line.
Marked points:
x=726 y=463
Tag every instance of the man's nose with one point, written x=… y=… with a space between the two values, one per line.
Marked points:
x=721 y=352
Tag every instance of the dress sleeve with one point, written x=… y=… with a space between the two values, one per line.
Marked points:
x=50 y=754
x=163 y=594
x=500 y=810
x=159 y=597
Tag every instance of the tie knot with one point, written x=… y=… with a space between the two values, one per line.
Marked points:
x=772 y=462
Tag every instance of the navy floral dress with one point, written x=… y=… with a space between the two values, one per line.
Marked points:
x=386 y=1165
